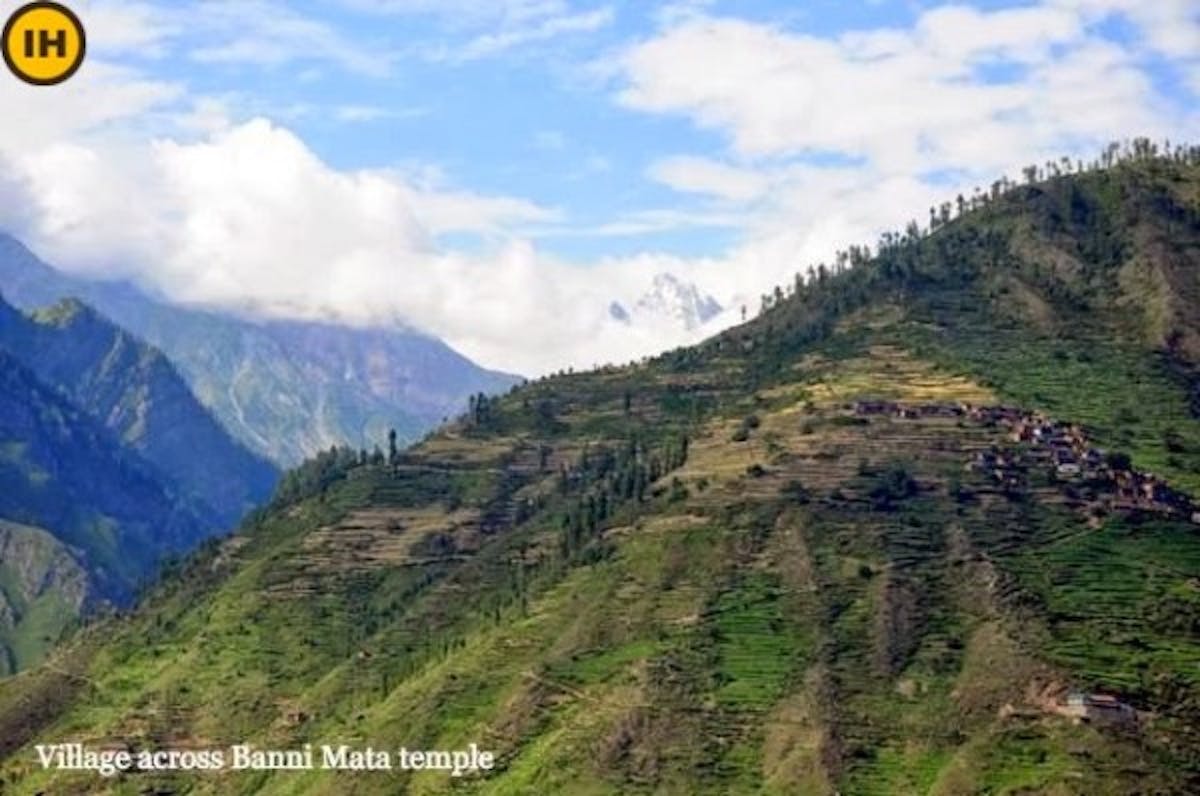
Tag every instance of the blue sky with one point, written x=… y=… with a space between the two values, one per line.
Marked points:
x=533 y=118
x=467 y=167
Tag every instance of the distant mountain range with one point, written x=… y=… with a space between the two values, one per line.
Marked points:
x=284 y=389
x=132 y=430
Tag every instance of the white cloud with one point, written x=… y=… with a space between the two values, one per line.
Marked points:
x=1168 y=27
x=354 y=114
x=231 y=32
x=205 y=115
x=905 y=101
x=100 y=95
x=643 y=222
x=468 y=13
x=360 y=113
x=131 y=28
x=960 y=34
x=249 y=218
x=442 y=212
x=895 y=104
x=496 y=27
x=833 y=138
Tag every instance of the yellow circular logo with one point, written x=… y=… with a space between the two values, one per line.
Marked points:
x=44 y=43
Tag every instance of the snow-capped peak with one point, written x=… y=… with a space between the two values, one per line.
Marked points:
x=669 y=299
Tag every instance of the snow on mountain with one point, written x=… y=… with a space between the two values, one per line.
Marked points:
x=669 y=302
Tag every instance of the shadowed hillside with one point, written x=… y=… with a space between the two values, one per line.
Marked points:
x=927 y=525
x=114 y=464
x=134 y=391
x=101 y=518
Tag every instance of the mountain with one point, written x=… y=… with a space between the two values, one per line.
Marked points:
x=61 y=471
x=669 y=302
x=133 y=391
x=285 y=390
x=927 y=525
x=111 y=463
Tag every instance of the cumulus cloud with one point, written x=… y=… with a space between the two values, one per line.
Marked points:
x=248 y=218
x=906 y=99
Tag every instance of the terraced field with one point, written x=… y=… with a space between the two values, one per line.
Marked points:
x=834 y=601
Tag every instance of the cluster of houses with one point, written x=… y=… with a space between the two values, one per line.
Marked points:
x=1063 y=447
x=1067 y=451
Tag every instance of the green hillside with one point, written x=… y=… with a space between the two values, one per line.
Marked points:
x=869 y=543
x=85 y=520
x=104 y=449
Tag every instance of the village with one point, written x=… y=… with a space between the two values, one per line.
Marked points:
x=1063 y=450
x=1069 y=458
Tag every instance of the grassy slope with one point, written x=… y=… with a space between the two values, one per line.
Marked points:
x=757 y=622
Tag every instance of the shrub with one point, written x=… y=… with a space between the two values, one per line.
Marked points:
x=892 y=485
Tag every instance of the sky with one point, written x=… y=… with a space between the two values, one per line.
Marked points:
x=498 y=173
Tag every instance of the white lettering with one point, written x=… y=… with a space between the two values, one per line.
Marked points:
x=247 y=758
x=347 y=759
